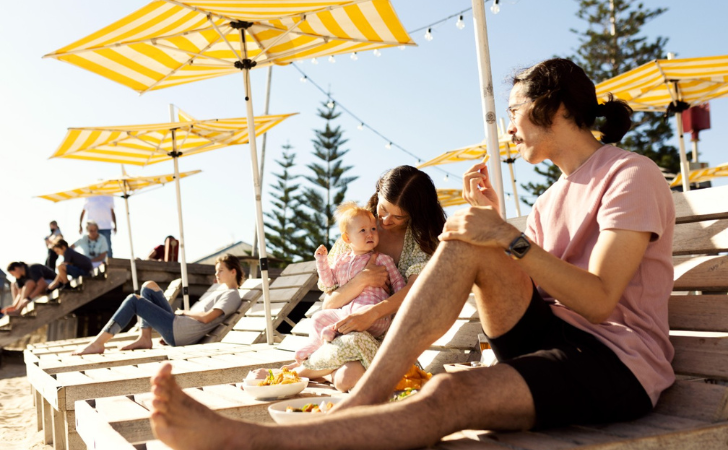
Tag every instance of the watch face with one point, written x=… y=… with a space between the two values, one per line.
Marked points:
x=520 y=247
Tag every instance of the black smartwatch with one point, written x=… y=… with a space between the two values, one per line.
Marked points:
x=519 y=247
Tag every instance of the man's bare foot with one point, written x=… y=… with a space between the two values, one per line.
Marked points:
x=140 y=344
x=182 y=423
x=91 y=348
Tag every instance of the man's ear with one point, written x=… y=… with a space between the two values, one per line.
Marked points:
x=345 y=238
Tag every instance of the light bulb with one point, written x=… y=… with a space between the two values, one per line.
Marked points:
x=428 y=35
x=332 y=59
x=314 y=61
x=304 y=79
x=402 y=47
x=330 y=104
x=460 y=24
x=354 y=57
x=360 y=126
x=377 y=52
x=495 y=8
x=447 y=177
x=388 y=146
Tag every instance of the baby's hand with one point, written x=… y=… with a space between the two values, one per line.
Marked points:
x=321 y=251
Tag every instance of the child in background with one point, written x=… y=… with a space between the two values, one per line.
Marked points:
x=358 y=229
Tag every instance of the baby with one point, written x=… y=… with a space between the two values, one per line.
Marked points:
x=358 y=229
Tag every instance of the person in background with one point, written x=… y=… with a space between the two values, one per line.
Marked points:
x=74 y=265
x=92 y=244
x=30 y=282
x=165 y=252
x=100 y=210
x=50 y=240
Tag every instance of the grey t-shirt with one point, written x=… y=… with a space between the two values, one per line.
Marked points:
x=188 y=330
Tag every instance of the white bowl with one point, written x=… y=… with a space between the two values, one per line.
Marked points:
x=278 y=410
x=276 y=391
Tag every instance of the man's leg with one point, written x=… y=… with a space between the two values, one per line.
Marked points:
x=485 y=398
x=503 y=293
x=107 y=235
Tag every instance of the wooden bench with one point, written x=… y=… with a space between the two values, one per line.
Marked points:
x=693 y=413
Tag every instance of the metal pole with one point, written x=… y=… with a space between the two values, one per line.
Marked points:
x=183 y=257
x=684 y=165
x=134 y=280
x=253 y=267
x=257 y=187
x=488 y=101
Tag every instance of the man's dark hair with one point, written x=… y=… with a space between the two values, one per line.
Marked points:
x=413 y=191
x=559 y=81
x=14 y=265
x=61 y=244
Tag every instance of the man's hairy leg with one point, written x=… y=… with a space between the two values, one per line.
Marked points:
x=433 y=305
x=485 y=398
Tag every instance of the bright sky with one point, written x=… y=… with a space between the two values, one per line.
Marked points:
x=425 y=99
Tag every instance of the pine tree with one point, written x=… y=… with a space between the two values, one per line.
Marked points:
x=282 y=237
x=329 y=184
x=611 y=45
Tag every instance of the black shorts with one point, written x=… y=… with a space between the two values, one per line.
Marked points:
x=573 y=377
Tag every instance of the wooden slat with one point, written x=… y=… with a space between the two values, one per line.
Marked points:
x=703 y=273
x=299 y=268
x=701 y=356
x=463 y=335
x=703 y=204
x=698 y=312
x=695 y=400
x=709 y=237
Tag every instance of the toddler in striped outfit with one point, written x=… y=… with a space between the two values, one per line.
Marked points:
x=358 y=229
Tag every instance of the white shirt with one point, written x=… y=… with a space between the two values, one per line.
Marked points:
x=99 y=209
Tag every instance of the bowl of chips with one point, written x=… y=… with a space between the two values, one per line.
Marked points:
x=300 y=409
x=278 y=384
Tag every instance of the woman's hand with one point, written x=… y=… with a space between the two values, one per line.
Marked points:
x=479 y=225
x=477 y=189
x=360 y=320
x=373 y=274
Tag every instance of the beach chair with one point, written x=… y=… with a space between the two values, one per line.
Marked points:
x=286 y=292
x=693 y=413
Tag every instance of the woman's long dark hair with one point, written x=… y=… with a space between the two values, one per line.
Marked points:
x=232 y=263
x=413 y=191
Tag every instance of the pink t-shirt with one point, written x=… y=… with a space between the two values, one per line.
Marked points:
x=617 y=189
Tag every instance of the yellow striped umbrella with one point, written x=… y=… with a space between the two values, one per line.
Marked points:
x=169 y=42
x=450 y=197
x=126 y=186
x=671 y=85
x=152 y=143
x=702 y=175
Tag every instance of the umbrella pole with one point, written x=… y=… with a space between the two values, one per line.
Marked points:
x=510 y=162
x=247 y=64
x=486 y=87
x=183 y=258
x=134 y=280
x=684 y=165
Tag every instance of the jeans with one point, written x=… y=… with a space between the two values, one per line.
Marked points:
x=153 y=310
x=107 y=235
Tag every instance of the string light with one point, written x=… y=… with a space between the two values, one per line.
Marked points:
x=354 y=57
x=495 y=8
x=388 y=146
x=402 y=47
x=360 y=126
x=460 y=24
x=330 y=104
x=332 y=59
x=377 y=52
x=314 y=61
x=304 y=79
x=447 y=178
x=428 y=35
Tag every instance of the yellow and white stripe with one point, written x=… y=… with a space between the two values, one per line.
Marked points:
x=124 y=185
x=474 y=152
x=148 y=144
x=702 y=175
x=169 y=42
x=652 y=86
x=450 y=197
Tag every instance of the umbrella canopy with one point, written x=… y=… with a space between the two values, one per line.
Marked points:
x=473 y=152
x=450 y=197
x=126 y=186
x=152 y=143
x=702 y=175
x=671 y=85
x=167 y=43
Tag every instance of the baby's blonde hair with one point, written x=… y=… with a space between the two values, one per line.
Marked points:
x=347 y=211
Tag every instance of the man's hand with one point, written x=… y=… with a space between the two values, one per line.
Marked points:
x=477 y=189
x=321 y=251
x=360 y=320
x=479 y=225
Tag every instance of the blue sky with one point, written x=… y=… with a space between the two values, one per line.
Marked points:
x=424 y=99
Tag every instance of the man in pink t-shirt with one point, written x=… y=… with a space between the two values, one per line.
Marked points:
x=575 y=309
